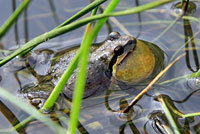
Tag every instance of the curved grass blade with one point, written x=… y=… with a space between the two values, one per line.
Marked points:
x=85 y=10
x=58 y=31
x=89 y=36
x=35 y=114
x=169 y=116
x=13 y=17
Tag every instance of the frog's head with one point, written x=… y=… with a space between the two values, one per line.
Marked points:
x=133 y=60
x=122 y=45
x=128 y=60
x=114 y=46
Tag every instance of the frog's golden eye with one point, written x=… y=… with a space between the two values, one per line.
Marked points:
x=119 y=50
x=113 y=36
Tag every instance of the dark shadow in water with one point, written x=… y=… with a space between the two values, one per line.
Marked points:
x=158 y=121
x=184 y=129
x=133 y=128
x=197 y=128
x=123 y=104
x=108 y=25
x=177 y=101
x=80 y=127
x=26 y=35
x=10 y=116
x=189 y=39
x=17 y=79
x=139 y=18
x=53 y=10
x=108 y=93
x=15 y=24
x=187 y=97
x=187 y=123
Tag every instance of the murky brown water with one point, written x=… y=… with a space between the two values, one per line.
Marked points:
x=98 y=112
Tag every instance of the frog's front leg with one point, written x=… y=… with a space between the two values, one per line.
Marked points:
x=37 y=98
x=37 y=95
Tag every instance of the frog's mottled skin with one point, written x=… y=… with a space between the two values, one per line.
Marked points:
x=98 y=64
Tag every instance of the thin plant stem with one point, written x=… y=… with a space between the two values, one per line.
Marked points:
x=58 y=31
x=6 y=26
x=89 y=36
x=61 y=83
x=169 y=116
x=198 y=73
x=168 y=28
x=29 y=109
x=140 y=95
x=34 y=42
x=85 y=10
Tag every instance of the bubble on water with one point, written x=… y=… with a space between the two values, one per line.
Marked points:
x=176 y=9
x=119 y=118
x=193 y=83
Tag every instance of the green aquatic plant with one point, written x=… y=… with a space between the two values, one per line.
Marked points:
x=34 y=114
x=169 y=115
x=72 y=26
x=6 y=26
x=81 y=58
x=89 y=36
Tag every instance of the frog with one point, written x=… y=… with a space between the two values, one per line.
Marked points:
x=120 y=58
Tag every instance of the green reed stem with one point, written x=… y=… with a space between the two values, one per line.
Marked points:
x=58 y=31
x=85 y=10
x=169 y=116
x=175 y=111
x=89 y=36
x=61 y=83
x=6 y=26
x=198 y=73
x=35 y=114
x=79 y=14
x=191 y=115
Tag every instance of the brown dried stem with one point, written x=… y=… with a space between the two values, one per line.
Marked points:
x=139 y=96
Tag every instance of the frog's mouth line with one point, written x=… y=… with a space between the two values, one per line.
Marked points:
x=115 y=56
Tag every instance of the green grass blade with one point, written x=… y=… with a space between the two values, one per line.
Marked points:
x=79 y=87
x=5 y=27
x=169 y=116
x=89 y=36
x=64 y=78
x=29 y=109
x=58 y=31
x=85 y=10
x=198 y=73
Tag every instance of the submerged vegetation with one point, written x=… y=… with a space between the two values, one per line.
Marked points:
x=94 y=24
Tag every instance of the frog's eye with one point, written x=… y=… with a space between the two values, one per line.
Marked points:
x=113 y=36
x=131 y=42
x=130 y=45
x=119 y=50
